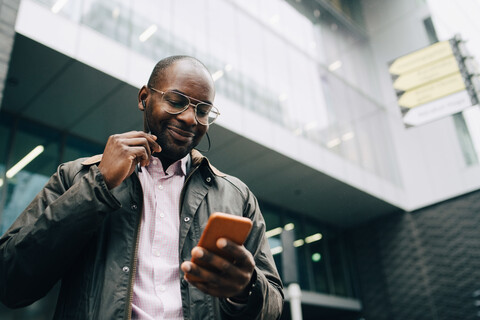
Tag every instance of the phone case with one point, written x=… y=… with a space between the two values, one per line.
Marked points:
x=224 y=225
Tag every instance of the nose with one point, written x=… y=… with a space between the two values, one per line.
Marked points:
x=188 y=116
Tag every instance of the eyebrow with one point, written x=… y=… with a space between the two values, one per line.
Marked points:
x=178 y=91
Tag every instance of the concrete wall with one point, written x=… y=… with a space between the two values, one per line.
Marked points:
x=8 y=16
x=421 y=265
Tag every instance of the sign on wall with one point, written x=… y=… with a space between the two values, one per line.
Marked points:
x=434 y=82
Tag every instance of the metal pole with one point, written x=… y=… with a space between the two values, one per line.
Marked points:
x=295 y=295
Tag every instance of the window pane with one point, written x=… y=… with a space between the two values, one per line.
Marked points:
x=338 y=267
x=273 y=221
x=78 y=148
x=304 y=271
x=39 y=145
x=314 y=246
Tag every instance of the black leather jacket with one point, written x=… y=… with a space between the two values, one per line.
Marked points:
x=79 y=232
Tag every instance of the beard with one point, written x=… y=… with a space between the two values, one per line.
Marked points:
x=173 y=149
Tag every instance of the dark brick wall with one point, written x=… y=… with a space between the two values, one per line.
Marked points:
x=8 y=16
x=421 y=265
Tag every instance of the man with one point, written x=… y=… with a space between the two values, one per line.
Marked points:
x=119 y=230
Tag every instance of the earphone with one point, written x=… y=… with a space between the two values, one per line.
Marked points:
x=139 y=168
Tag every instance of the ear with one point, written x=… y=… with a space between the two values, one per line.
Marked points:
x=142 y=96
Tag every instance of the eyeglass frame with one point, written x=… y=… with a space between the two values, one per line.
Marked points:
x=215 y=109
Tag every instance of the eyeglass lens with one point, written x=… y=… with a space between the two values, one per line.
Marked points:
x=177 y=103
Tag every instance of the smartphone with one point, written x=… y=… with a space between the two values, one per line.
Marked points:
x=224 y=225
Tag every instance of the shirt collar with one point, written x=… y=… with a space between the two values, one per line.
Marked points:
x=184 y=162
x=179 y=167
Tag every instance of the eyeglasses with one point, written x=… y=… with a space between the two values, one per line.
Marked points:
x=177 y=103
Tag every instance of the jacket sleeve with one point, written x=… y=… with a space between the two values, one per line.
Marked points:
x=45 y=239
x=266 y=295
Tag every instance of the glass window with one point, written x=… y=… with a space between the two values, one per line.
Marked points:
x=112 y=18
x=19 y=187
x=315 y=256
x=273 y=220
x=33 y=158
x=78 y=148
x=5 y=131
x=337 y=265
x=304 y=269
x=323 y=261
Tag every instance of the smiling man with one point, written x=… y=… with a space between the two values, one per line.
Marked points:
x=119 y=230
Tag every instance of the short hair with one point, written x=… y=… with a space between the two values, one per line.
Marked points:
x=164 y=64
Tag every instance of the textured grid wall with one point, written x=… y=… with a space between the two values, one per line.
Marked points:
x=421 y=265
x=8 y=15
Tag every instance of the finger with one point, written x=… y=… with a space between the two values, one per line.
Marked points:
x=196 y=274
x=133 y=134
x=208 y=281
x=152 y=139
x=152 y=142
x=242 y=257
x=140 y=141
x=212 y=261
x=215 y=282
x=186 y=267
x=154 y=145
x=140 y=155
x=221 y=268
x=148 y=142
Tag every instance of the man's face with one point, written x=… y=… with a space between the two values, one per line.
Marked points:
x=179 y=134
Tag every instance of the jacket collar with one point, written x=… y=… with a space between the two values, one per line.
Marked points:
x=197 y=160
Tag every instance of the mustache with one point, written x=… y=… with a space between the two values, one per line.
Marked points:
x=182 y=130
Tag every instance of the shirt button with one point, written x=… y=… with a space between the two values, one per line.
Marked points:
x=160 y=187
x=156 y=253
x=162 y=288
x=133 y=207
x=162 y=215
x=186 y=219
x=126 y=269
x=154 y=162
x=208 y=179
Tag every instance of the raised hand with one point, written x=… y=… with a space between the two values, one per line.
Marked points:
x=123 y=152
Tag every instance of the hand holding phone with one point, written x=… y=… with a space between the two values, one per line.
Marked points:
x=222 y=272
x=224 y=225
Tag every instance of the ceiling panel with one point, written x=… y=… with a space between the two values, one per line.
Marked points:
x=67 y=98
x=32 y=67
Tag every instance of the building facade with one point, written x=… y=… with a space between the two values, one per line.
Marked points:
x=383 y=216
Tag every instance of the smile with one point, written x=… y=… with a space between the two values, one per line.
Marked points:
x=180 y=135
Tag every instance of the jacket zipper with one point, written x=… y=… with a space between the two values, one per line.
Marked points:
x=182 y=194
x=128 y=309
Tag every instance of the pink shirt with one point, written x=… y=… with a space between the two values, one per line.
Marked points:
x=156 y=292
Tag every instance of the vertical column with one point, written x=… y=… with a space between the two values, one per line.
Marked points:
x=8 y=15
